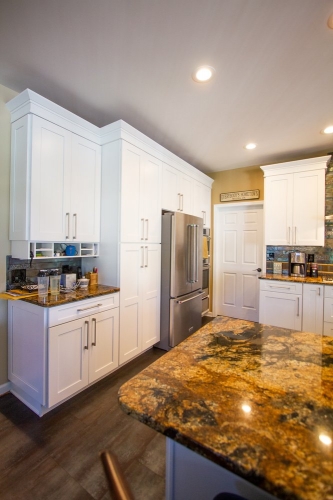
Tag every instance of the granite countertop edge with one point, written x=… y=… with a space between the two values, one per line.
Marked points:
x=75 y=296
x=284 y=277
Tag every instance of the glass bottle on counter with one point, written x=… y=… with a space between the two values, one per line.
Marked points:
x=54 y=282
x=43 y=283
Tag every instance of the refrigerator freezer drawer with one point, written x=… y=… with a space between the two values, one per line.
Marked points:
x=185 y=317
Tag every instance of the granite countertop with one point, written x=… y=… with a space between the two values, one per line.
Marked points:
x=283 y=277
x=195 y=394
x=66 y=298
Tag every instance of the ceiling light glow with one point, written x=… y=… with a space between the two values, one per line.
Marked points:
x=328 y=130
x=246 y=408
x=203 y=74
x=251 y=145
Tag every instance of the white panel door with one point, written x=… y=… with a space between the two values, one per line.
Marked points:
x=131 y=265
x=151 y=295
x=68 y=359
x=103 y=343
x=50 y=181
x=85 y=190
x=278 y=209
x=237 y=256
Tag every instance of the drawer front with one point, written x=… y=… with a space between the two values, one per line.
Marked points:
x=82 y=308
x=328 y=329
x=328 y=291
x=281 y=286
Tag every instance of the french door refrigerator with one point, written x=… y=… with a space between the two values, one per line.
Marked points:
x=181 y=278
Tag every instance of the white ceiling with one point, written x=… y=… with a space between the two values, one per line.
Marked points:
x=132 y=59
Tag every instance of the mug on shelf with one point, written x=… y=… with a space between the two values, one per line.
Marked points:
x=70 y=250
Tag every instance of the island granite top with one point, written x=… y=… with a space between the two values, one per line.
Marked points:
x=307 y=279
x=66 y=298
x=255 y=399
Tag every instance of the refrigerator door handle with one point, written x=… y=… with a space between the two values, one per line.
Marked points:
x=187 y=300
x=192 y=253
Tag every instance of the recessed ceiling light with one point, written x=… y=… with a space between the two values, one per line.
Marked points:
x=328 y=130
x=203 y=74
x=251 y=145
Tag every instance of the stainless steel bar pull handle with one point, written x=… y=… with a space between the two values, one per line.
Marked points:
x=192 y=253
x=297 y=306
x=95 y=332
x=295 y=236
x=147 y=222
x=142 y=257
x=187 y=300
x=142 y=229
x=289 y=234
x=87 y=330
x=91 y=307
x=67 y=217
x=204 y=217
x=319 y=291
x=179 y=206
x=75 y=226
x=146 y=249
x=182 y=197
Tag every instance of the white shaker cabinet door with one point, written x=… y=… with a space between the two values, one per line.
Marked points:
x=103 y=343
x=150 y=290
x=131 y=265
x=313 y=308
x=85 y=190
x=278 y=209
x=281 y=309
x=186 y=191
x=202 y=202
x=309 y=208
x=50 y=181
x=150 y=198
x=171 y=196
x=68 y=359
x=132 y=221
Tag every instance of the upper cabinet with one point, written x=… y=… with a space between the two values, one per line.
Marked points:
x=55 y=180
x=140 y=195
x=295 y=202
x=202 y=204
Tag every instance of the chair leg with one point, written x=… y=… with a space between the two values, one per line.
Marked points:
x=117 y=483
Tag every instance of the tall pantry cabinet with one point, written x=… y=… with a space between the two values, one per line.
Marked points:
x=131 y=241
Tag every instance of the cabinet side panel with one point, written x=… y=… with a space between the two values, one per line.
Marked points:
x=19 y=208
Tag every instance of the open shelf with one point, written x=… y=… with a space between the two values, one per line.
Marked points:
x=52 y=250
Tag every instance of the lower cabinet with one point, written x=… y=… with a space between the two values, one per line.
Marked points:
x=281 y=304
x=54 y=352
x=313 y=308
x=140 y=284
x=328 y=311
x=80 y=352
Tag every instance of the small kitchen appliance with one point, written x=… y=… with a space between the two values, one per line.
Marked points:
x=297 y=264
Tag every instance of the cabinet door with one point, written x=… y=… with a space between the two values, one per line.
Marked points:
x=85 y=190
x=131 y=265
x=150 y=198
x=313 y=308
x=150 y=290
x=103 y=343
x=50 y=181
x=68 y=359
x=202 y=202
x=132 y=221
x=171 y=196
x=186 y=190
x=281 y=309
x=278 y=209
x=309 y=208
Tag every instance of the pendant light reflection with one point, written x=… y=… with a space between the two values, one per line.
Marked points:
x=246 y=408
x=325 y=439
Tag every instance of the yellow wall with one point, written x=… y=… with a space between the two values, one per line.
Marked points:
x=5 y=96
x=240 y=179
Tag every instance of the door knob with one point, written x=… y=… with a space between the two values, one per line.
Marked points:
x=258 y=269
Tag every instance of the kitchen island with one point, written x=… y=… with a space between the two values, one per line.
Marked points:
x=255 y=400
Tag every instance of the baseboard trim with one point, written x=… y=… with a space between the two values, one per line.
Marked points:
x=4 y=388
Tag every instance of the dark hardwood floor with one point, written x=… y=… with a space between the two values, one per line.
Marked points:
x=57 y=456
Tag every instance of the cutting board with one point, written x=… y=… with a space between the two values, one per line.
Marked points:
x=17 y=294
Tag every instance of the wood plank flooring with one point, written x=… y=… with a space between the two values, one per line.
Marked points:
x=56 y=457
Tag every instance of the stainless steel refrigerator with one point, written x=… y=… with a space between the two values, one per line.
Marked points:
x=181 y=278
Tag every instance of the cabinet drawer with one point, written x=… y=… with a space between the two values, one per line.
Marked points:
x=328 y=329
x=328 y=291
x=82 y=308
x=281 y=286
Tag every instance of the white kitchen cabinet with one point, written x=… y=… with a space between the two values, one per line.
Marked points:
x=177 y=190
x=140 y=196
x=281 y=304
x=80 y=352
x=295 y=202
x=328 y=310
x=55 y=183
x=313 y=308
x=140 y=272
x=202 y=202
x=54 y=352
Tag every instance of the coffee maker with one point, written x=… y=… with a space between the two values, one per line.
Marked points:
x=297 y=264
